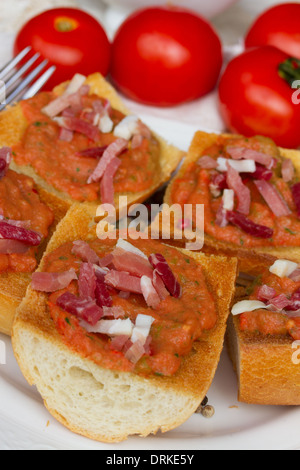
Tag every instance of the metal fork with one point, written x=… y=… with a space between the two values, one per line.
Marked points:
x=16 y=84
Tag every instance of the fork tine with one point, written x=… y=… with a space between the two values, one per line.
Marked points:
x=23 y=85
x=21 y=71
x=12 y=64
x=32 y=91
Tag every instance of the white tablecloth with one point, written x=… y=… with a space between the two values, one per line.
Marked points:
x=231 y=25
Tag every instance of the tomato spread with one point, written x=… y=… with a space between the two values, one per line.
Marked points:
x=281 y=314
x=63 y=162
x=19 y=201
x=178 y=320
x=250 y=193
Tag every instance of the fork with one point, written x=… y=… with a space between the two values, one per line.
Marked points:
x=16 y=84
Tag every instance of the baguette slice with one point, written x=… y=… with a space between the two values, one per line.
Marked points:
x=13 y=286
x=266 y=369
x=13 y=125
x=200 y=143
x=106 y=405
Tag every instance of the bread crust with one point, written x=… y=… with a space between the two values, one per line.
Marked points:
x=200 y=143
x=187 y=388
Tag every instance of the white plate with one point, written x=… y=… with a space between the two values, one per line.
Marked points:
x=25 y=423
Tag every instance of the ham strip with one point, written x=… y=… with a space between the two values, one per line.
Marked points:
x=124 y=282
x=20 y=234
x=243 y=193
x=149 y=292
x=160 y=286
x=78 y=125
x=110 y=154
x=266 y=293
x=85 y=309
x=207 y=163
x=131 y=263
x=9 y=247
x=87 y=281
x=52 y=282
x=275 y=202
x=85 y=252
x=296 y=197
x=107 y=190
x=159 y=263
x=239 y=153
x=248 y=226
x=102 y=295
x=96 y=152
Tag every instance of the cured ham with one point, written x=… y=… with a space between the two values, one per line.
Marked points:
x=243 y=193
x=248 y=226
x=124 y=282
x=85 y=309
x=57 y=106
x=52 y=282
x=159 y=263
x=85 y=252
x=78 y=125
x=87 y=281
x=296 y=197
x=131 y=263
x=288 y=170
x=9 y=247
x=95 y=152
x=207 y=163
x=266 y=293
x=274 y=200
x=20 y=234
x=102 y=294
x=239 y=153
x=107 y=190
x=149 y=292
x=160 y=287
x=110 y=154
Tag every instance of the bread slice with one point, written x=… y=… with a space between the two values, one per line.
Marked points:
x=107 y=405
x=266 y=366
x=13 y=286
x=200 y=143
x=13 y=125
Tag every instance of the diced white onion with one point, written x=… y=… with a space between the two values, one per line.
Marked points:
x=247 y=306
x=75 y=84
x=127 y=128
x=283 y=268
x=142 y=328
x=241 y=166
x=228 y=199
x=106 y=125
x=111 y=327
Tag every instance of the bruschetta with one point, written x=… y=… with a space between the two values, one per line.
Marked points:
x=122 y=337
x=26 y=223
x=80 y=144
x=251 y=195
x=264 y=335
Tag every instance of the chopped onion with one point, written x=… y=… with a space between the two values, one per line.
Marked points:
x=241 y=166
x=247 y=306
x=283 y=268
x=126 y=246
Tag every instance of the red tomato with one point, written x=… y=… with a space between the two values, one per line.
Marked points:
x=165 y=56
x=279 y=27
x=256 y=100
x=71 y=39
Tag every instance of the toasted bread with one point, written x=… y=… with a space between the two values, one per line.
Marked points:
x=13 y=286
x=107 y=405
x=200 y=143
x=13 y=125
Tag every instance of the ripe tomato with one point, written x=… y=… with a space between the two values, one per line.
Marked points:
x=71 y=39
x=257 y=98
x=279 y=27
x=165 y=55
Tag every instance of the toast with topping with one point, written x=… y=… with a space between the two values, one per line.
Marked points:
x=122 y=337
x=250 y=192
x=27 y=222
x=80 y=144
x=263 y=335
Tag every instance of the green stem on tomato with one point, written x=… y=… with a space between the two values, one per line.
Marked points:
x=289 y=70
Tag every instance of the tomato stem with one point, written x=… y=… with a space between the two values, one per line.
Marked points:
x=289 y=70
